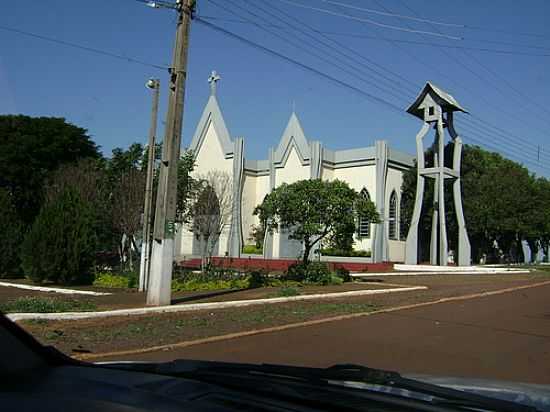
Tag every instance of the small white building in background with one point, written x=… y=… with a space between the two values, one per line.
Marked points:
x=376 y=171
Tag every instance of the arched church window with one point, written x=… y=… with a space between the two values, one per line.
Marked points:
x=393 y=216
x=363 y=229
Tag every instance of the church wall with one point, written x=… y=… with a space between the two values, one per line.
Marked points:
x=396 y=248
x=358 y=178
x=292 y=171
x=248 y=204
x=209 y=157
x=327 y=173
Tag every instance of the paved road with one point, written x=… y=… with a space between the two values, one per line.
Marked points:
x=504 y=337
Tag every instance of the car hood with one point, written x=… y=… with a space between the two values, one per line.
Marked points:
x=529 y=394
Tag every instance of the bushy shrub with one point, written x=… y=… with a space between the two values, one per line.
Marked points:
x=60 y=246
x=343 y=273
x=314 y=272
x=257 y=279
x=197 y=285
x=252 y=250
x=11 y=236
x=111 y=280
x=345 y=253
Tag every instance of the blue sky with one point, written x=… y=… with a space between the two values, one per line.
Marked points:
x=257 y=91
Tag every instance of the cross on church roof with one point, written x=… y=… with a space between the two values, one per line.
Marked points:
x=213 y=79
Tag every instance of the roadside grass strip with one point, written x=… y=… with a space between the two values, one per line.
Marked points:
x=203 y=306
x=280 y=328
x=54 y=290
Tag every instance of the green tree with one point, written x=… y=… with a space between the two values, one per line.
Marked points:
x=312 y=210
x=188 y=187
x=502 y=203
x=11 y=236
x=30 y=148
x=89 y=179
x=122 y=160
x=61 y=245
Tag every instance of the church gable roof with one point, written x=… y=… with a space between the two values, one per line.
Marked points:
x=293 y=137
x=212 y=115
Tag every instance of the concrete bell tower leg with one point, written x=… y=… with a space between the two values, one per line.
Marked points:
x=443 y=245
x=435 y=216
x=464 y=247
x=411 y=247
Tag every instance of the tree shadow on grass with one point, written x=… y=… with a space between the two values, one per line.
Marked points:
x=205 y=295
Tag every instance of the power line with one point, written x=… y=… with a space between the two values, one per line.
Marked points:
x=338 y=82
x=469 y=137
x=516 y=152
x=507 y=43
x=520 y=154
x=422 y=43
x=490 y=131
x=445 y=46
x=423 y=20
x=491 y=72
x=308 y=50
x=299 y=64
x=399 y=16
x=351 y=55
x=481 y=97
x=81 y=47
x=369 y=21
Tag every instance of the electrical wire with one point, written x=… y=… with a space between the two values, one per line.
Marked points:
x=422 y=43
x=369 y=21
x=307 y=49
x=81 y=47
x=399 y=16
x=352 y=55
x=519 y=147
x=423 y=20
x=511 y=139
x=495 y=134
x=305 y=67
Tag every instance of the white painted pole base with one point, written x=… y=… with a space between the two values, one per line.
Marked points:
x=159 y=292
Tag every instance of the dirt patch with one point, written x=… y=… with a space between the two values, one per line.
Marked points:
x=122 y=333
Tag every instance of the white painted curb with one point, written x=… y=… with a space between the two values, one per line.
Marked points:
x=474 y=272
x=454 y=269
x=201 y=306
x=54 y=290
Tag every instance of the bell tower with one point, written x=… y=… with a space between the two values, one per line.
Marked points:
x=436 y=109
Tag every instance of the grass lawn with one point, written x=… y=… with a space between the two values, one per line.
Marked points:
x=38 y=304
x=143 y=331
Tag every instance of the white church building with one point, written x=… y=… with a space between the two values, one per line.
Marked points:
x=376 y=171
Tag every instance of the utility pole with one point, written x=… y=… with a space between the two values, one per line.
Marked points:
x=162 y=257
x=144 y=268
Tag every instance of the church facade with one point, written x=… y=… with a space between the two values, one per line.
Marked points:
x=376 y=171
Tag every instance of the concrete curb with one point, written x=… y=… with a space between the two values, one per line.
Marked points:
x=54 y=290
x=236 y=335
x=454 y=269
x=473 y=272
x=202 y=306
